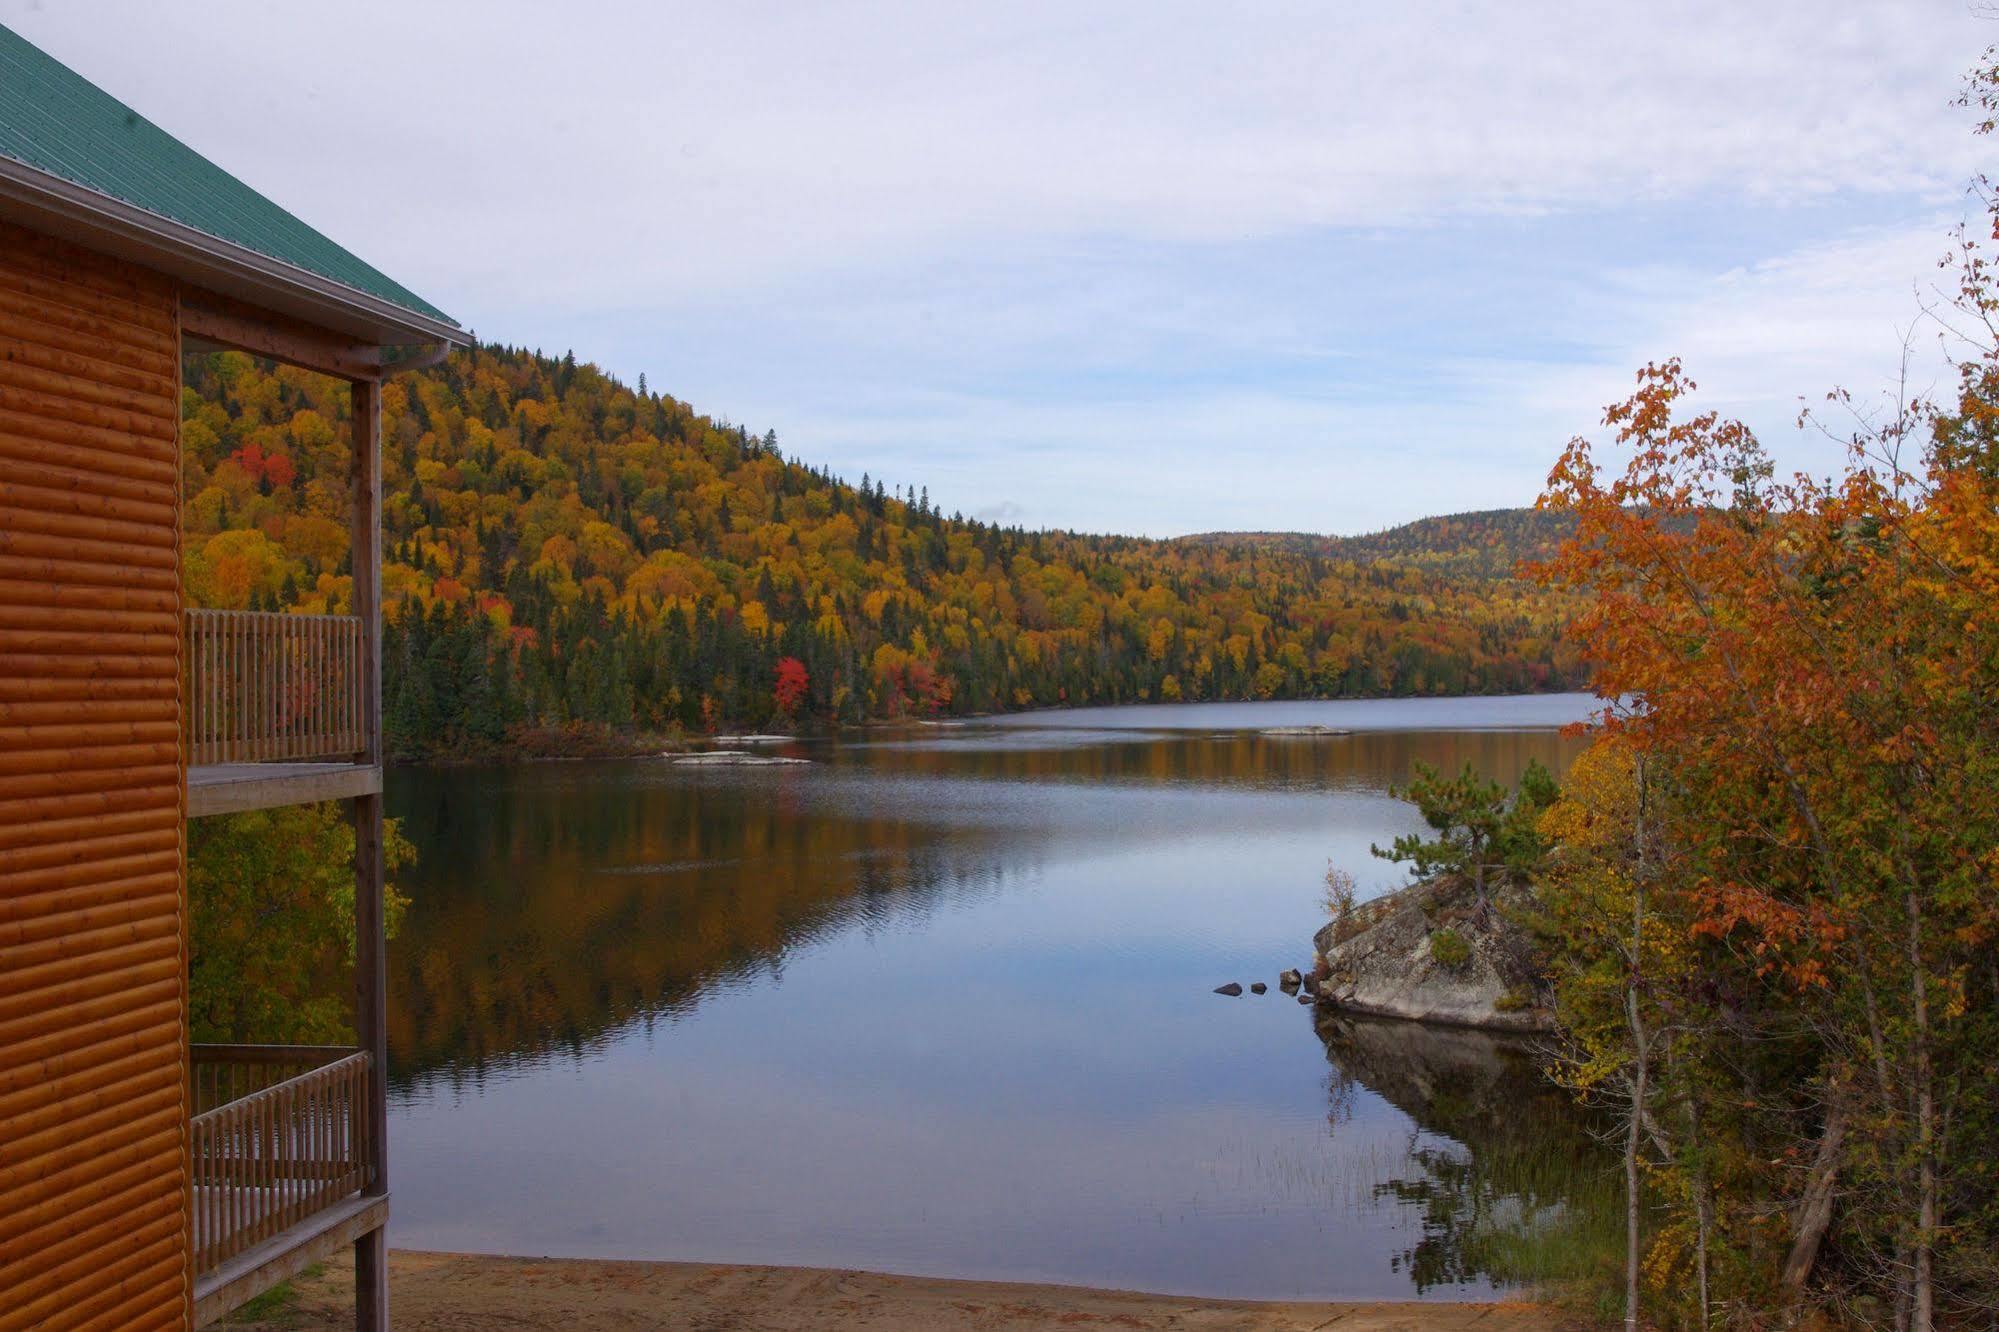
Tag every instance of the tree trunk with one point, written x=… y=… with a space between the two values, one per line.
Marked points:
x=1703 y=1206
x=1631 y=1207
x=1813 y=1215
x=1705 y=1212
x=1922 y=1313
x=1640 y=1068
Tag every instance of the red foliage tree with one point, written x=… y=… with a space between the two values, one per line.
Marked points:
x=792 y=684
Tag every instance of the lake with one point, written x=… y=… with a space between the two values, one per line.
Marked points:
x=939 y=1002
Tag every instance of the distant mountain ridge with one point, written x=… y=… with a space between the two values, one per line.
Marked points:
x=1487 y=543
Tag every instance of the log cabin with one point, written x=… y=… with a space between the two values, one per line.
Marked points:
x=146 y=1181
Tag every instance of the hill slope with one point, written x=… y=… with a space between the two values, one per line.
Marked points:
x=1487 y=543
x=563 y=551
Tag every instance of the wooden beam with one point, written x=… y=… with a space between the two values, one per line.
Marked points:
x=232 y=788
x=371 y=1272
x=422 y=358
x=213 y=318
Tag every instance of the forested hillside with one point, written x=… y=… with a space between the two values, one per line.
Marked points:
x=1489 y=543
x=564 y=553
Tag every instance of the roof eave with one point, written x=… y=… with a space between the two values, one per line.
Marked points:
x=38 y=199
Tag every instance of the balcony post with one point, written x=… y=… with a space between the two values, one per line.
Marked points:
x=367 y=558
x=371 y=1276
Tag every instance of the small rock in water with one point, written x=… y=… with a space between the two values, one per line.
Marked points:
x=1304 y=998
x=1232 y=990
x=1258 y=987
x=1290 y=980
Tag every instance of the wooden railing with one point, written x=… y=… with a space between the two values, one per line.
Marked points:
x=264 y=688
x=281 y=1133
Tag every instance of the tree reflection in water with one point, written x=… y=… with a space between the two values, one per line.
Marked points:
x=1506 y=1180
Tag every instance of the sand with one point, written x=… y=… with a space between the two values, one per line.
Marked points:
x=468 y=1291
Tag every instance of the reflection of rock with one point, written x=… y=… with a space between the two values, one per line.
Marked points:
x=1431 y=1073
x=1232 y=990
x=1389 y=959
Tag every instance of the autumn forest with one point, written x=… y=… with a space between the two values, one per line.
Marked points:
x=567 y=558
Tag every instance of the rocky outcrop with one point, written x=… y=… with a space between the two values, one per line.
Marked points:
x=1426 y=953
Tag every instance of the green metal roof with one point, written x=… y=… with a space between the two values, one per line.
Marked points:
x=56 y=121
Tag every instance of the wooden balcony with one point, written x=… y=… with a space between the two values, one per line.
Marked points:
x=276 y=710
x=282 y=1163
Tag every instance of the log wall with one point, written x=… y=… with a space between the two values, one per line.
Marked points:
x=93 y=972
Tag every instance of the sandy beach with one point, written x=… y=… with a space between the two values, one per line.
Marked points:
x=460 y=1292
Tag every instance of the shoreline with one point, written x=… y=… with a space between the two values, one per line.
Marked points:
x=429 y=1290
x=561 y=745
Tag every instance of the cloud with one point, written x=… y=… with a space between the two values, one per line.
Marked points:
x=1154 y=267
x=1766 y=339
x=663 y=150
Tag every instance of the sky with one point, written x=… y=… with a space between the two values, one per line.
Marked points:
x=1154 y=268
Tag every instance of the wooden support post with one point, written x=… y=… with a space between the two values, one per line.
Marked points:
x=367 y=559
x=371 y=1280
x=371 y=1274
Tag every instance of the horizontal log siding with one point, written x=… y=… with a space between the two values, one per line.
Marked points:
x=94 y=1212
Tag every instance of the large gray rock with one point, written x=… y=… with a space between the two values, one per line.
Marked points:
x=1385 y=959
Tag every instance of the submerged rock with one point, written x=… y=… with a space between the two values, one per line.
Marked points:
x=1258 y=987
x=1427 y=953
x=1232 y=990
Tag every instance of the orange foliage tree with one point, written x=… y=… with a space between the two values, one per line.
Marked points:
x=1806 y=674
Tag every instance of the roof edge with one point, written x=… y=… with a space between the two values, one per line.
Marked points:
x=235 y=270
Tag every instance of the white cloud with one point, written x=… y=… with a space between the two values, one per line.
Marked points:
x=1764 y=340
x=1463 y=433
x=1155 y=265
x=592 y=153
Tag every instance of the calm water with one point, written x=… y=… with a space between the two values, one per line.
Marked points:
x=939 y=1002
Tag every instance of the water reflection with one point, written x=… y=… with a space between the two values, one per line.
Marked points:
x=938 y=1002
x=1373 y=760
x=1501 y=1169
x=552 y=910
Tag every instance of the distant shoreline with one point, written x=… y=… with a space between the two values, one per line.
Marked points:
x=559 y=744
x=455 y=1290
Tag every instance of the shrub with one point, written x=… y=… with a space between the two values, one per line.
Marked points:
x=1339 y=903
x=1449 y=950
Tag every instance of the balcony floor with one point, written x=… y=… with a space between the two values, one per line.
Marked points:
x=286 y=1254
x=231 y=788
